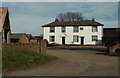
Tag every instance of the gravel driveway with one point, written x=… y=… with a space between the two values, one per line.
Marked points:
x=75 y=61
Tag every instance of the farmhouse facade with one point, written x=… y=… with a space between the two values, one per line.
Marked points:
x=82 y=32
x=4 y=25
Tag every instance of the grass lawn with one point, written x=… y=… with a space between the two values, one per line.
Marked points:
x=15 y=58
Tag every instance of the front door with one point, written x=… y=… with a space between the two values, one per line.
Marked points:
x=63 y=40
x=82 y=40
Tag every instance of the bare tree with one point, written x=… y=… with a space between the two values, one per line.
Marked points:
x=70 y=16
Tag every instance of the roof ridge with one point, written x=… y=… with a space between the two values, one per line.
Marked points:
x=76 y=23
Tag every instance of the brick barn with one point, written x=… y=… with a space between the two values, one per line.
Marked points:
x=20 y=38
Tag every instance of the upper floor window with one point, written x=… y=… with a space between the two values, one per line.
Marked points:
x=75 y=29
x=94 y=38
x=52 y=38
x=81 y=28
x=52 y=29
x=75 y=38
x=63 y=29
x=94 y=28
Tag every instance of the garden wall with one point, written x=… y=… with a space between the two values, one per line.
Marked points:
x=39 y=47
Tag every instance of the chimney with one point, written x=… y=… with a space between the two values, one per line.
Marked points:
x=93 y=19
x=56 y=20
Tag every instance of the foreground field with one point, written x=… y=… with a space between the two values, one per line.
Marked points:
x=75 y=61
x=15 y=59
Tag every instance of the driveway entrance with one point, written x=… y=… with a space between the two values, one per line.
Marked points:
x=75 y=61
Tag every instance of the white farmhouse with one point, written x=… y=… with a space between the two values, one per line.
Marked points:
x=83 y=32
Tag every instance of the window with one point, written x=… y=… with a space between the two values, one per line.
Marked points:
x=63 y=29
x=52 y=29
x=94 y=38
x=75 y=38
x=81 y=28
x=75 y=29
x=94 y=28
x=52 y=38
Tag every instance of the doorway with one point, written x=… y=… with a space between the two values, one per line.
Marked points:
x=63 y=40
x=82 y=40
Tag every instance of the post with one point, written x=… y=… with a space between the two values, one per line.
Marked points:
x=40 y=46
x=43 y=47
x=3 y=36
x=8 y=37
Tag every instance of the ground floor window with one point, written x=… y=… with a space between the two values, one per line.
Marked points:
x=52 y=38
x=75 y=38
x=94 y=37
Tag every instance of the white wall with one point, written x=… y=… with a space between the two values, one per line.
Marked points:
x=86 y=33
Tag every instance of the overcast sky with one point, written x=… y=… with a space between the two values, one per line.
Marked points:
x=28 y=17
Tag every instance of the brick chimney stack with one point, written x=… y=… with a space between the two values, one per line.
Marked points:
x=56 y=19
x=93 y=19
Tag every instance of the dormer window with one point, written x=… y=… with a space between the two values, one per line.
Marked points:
x=52 y=29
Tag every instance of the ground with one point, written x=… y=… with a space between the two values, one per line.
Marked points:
x=75 y=61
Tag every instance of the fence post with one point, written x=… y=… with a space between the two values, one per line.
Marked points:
x=40 y=46
x=44 y=47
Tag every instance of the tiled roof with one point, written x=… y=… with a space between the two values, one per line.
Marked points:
x=16 y=35
x=29 y=36
x=74 y=23
x=3 y=13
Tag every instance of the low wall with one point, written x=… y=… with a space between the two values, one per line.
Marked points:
x=39 y=47
x=32 y=47
x=112 y=49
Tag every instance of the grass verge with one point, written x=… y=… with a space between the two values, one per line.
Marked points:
x=15 y=58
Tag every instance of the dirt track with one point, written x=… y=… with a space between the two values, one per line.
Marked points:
x=75 y=61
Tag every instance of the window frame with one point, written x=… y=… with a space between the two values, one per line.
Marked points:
x=52 y=29
x=52 y=39
x=63 y=29
x=75 y=29
x=94 y=29
x=75 y=38
x=81 y=28
x=94 y=38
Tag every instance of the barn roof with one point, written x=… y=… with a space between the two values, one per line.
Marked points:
x=16 y=35
x=3 y=13
x=29 y=36
x=74 y=23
